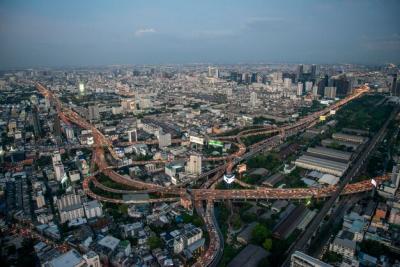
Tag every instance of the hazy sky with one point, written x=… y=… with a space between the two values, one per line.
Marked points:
x=97 y=32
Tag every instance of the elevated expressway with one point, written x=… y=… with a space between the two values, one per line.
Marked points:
x=207 y=192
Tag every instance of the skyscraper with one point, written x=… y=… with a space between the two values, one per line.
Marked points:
x=394 y=90
x=299 y=89
x=37 y=129
x=313 y=71
x=330 y=92
x=213 y=72
x=300 y=71
x=57 y=127
x=253 y=78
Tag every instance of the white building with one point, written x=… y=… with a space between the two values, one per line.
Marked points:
x=93 y=209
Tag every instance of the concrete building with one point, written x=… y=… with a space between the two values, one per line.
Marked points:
x=330 y=92
x=40 y=201
x=299 y=259
x=59 y=171
x=93 y=112
x=70 y=207
x=253 y=99
x=322 y=165
x=300 y=89
x=394 y=217
x=92 y=259
x=194 y=165
x=132 y=135
x=164 y=140
x=93 y=209
x=344 y=247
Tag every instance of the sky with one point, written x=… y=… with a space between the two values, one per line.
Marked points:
x=54 y=33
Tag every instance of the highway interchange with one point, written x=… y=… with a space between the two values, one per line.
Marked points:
x=203 y=198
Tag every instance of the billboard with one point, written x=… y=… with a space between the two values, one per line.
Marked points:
x=216 y=143
x=196 y=140
x=322 y=118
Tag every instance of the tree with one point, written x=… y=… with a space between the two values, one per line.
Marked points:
x=154 y=242
x=260 y=233
x=267 y=244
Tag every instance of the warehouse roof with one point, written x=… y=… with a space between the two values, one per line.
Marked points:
x=330 y=164
x=329 y=152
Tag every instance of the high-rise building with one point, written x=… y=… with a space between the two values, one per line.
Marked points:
x=132 y=135
x=395 y=89
x=164 y=140
x=213 y=72
x=70 y=207
x=342 y=84
x=37 y=129
x=309 y=86
x=277 y=76
x=315 y=90
x=300 y=71
x=287 y=83
x=299 y=91
x=313 y=72
x=81 y=88
x=253 y=78
x=194 y=164
x=234 y=76
x=59 y=171
x=93 y=112
x=253 y=99
x=330 y=92
x=57 y=127
x=69 y=133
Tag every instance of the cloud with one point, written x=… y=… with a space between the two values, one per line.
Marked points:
x=144 y=31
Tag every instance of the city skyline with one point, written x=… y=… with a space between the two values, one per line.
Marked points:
x=47 y=34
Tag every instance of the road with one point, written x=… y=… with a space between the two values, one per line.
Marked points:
x=207 y=192
x=301 y=243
